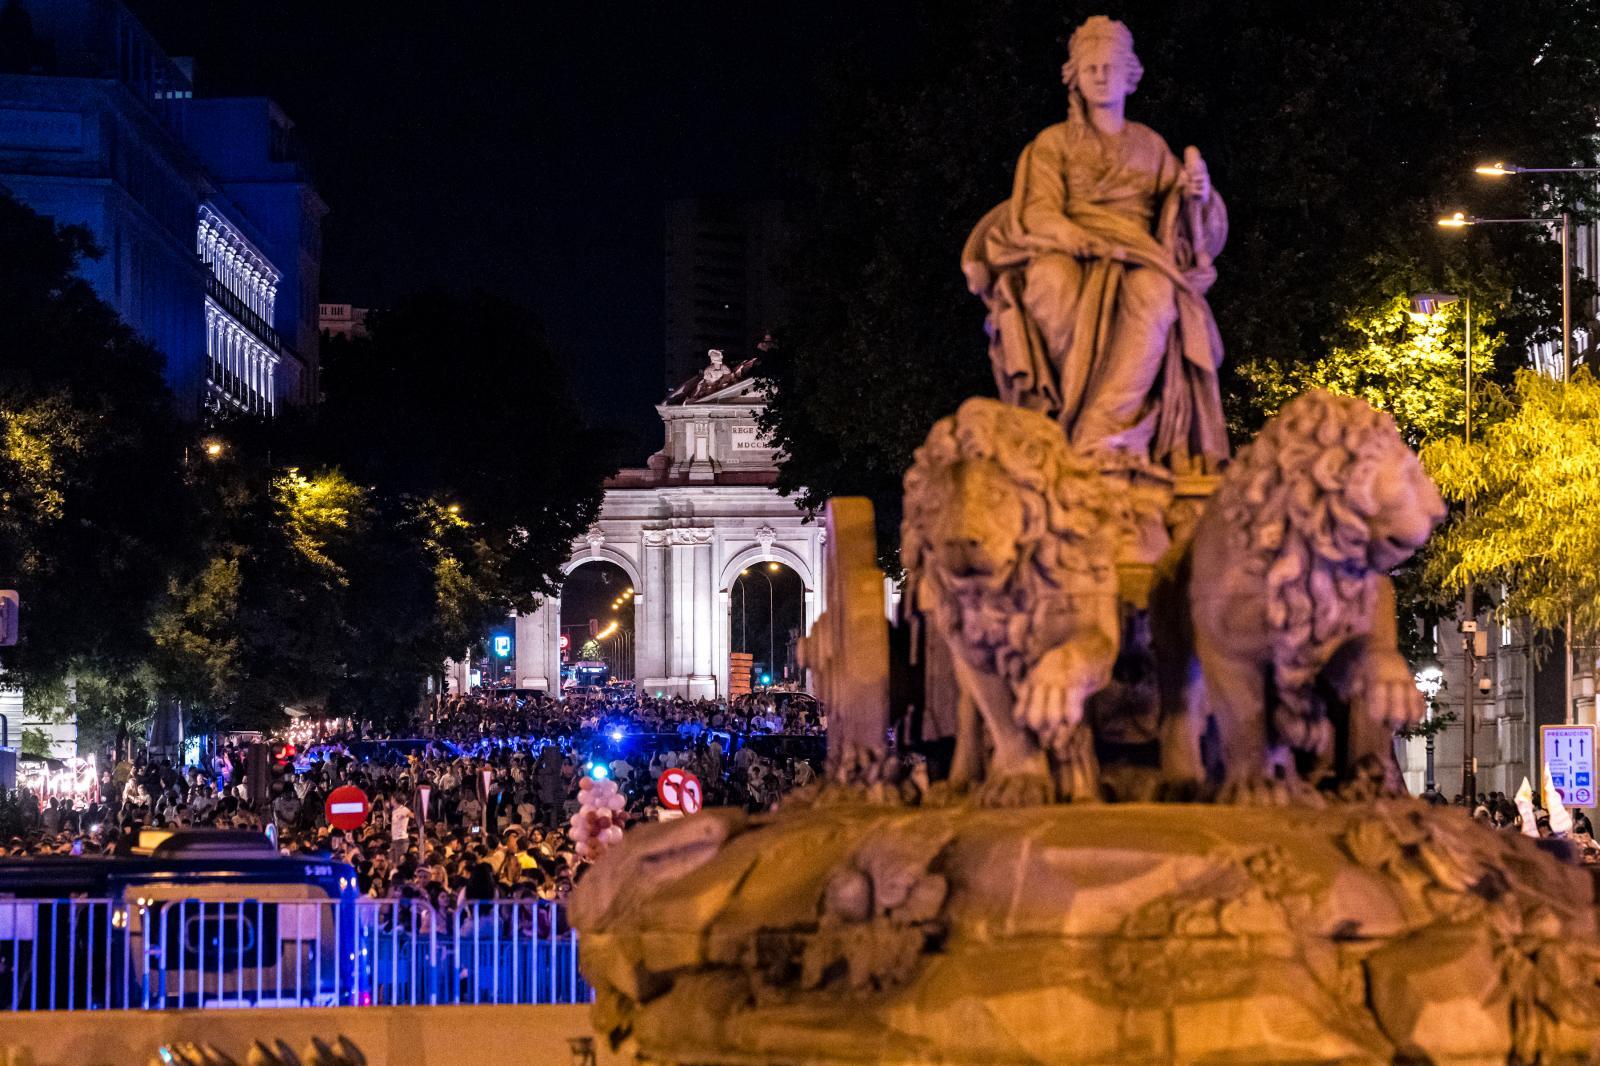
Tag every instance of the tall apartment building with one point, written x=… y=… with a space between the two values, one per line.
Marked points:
x=722 y=289
x=205 y=213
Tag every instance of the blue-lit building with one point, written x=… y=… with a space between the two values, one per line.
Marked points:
x=203 y=208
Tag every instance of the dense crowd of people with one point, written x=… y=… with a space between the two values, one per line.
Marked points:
x=1499 y=811
x=502 y=775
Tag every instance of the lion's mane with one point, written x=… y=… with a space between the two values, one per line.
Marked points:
x=1070 y=506
x=1296 y=504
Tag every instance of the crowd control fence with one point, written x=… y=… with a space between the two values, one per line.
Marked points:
x=82 y=954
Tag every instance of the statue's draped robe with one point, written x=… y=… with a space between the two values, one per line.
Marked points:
x=1125 y=189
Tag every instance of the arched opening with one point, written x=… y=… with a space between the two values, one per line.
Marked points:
x=597 y=624
x=766 y=616
x=496 y=659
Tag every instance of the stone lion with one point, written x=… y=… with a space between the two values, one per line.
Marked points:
x=1293 y=612
x=1009 y=543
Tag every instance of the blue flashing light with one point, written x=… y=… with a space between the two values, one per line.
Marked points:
x=766 y=679
x=598 y=771
x=616 y=734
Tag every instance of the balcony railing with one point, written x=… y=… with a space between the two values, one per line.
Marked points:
x=236 y=307
x=230 y=385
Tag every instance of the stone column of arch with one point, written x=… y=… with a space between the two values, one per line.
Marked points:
x=704 y=673
x=538 y=651
x=650 y=655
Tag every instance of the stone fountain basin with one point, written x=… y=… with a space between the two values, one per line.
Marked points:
x=1090 y=934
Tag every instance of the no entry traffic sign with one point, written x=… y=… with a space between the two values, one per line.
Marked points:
x=679 y=790
x=347 y=808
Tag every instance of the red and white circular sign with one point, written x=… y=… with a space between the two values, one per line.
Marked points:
x=680 y=791
x=347 y=808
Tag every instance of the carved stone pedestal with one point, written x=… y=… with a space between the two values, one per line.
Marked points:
x=1124 y=933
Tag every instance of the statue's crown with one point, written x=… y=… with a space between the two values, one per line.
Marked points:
x=1101 y=28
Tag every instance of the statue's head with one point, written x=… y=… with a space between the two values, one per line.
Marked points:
x=1101 y=65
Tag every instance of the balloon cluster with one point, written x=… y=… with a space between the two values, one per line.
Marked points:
x=598 y=823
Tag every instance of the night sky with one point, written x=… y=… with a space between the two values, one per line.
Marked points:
x=525 y=148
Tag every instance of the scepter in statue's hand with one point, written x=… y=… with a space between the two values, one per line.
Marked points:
x=1196 y=191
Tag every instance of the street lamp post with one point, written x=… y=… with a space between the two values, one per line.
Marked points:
x=1460 y=219
x=744 y=627
x=772 y=665
x=1501 y=170
x=1429 y=680
x=1426 y=303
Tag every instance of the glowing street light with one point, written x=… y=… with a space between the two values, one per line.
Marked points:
x=213 y=448
x=1429 y=680
x=1501 y=170
x=772 y=568
x=454 y=508
x=1505 y=170
x=1460 y=219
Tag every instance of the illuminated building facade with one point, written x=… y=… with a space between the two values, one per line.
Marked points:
x=209 y=228
x=683 y=529
x=242 y=348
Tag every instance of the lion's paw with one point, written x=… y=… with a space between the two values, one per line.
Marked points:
x=1016 y=790
x=1180 y=790
x=1268 y=791
x=945 y=794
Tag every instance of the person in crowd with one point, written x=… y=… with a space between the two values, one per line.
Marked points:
x=400 y=817
x=537 y=750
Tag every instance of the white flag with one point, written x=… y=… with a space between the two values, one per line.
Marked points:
x=1560 y=817
x=1524 y=801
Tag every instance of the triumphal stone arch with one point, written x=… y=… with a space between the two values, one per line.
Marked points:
x=682 y=528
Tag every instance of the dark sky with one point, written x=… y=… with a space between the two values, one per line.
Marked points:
x=526 y=148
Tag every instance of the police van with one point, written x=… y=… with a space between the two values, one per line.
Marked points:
x=195 y=918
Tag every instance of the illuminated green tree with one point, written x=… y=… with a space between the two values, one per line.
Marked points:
x=1531 y=485
x=262 y=624
x=1411 y=365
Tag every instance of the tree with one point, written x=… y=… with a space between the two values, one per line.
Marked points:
x=514 y=458
x=108 y=709
x=479 y=502
x=35 y=743
x=1530 y=486
x=93 y=512
x=1337 y=134
x=1410 y=365
x=261 y=625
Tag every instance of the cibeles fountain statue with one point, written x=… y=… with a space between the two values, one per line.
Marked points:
x=1095 y=273
x=1171 y=827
